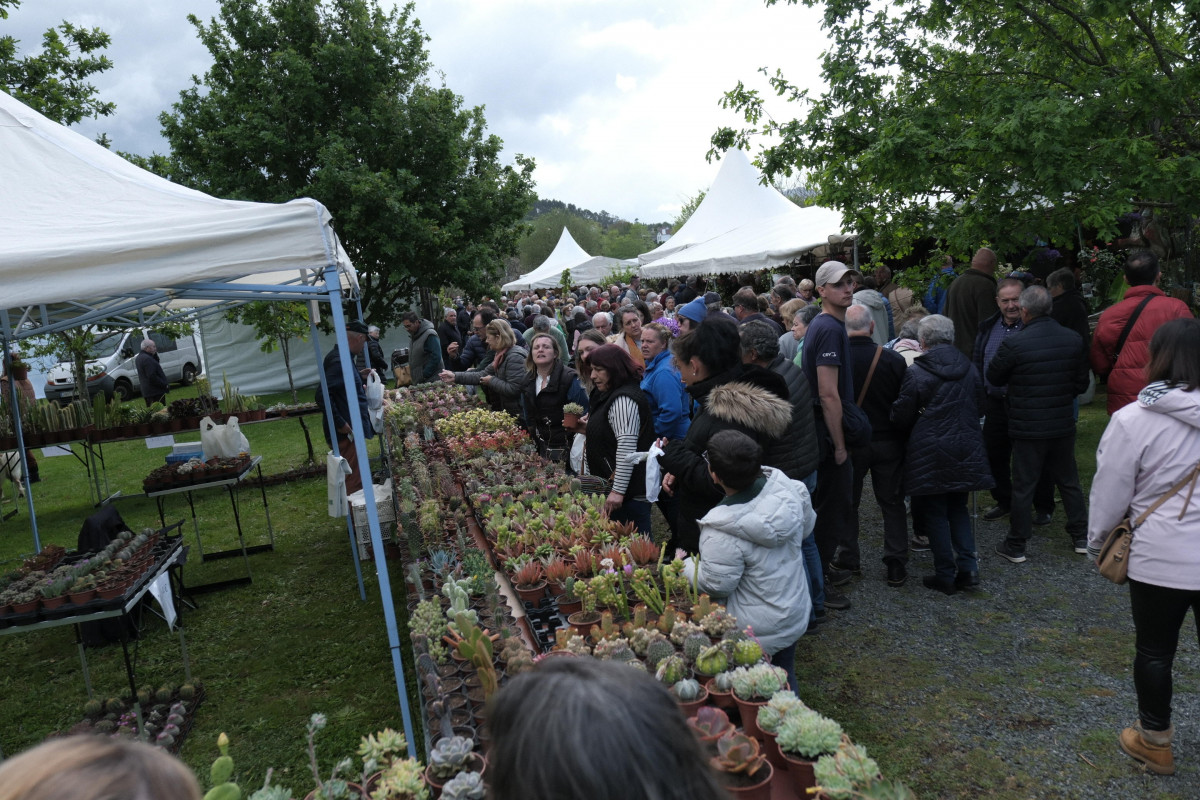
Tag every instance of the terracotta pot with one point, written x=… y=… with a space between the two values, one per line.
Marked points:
x=583 y=622
x=24 y=608
x=748 y=709
x=722 y=700
x=108 y=591
x=532 y=594
x=79 y=598
x=478 y=764
x=176 y=424
x=569 y=607
x=54 y=602
x=689 y=708
x=756 y=791
x=801 y=772
x=771 y=748
x=570 y=421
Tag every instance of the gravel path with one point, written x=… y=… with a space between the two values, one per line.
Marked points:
x=1016 y=691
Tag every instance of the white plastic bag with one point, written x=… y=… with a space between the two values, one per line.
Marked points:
x=223 y=441
x=375 y=400
x=653 y=474
x=577 y=453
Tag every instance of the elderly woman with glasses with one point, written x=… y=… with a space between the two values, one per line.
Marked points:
x=502 y=378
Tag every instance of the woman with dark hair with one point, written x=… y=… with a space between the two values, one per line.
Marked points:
x=593 y=730
x=504 y=377
x=1149 y=448
x=729 y=395
x=589 y=340
x=549 y=387
x=619 y=425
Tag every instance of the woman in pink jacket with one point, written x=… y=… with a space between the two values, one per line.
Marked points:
x=1148 y=447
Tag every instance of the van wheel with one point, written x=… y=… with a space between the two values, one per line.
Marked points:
x=123 y=389
x=189 y=374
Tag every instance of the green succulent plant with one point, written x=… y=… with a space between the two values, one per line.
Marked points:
x=805 y=733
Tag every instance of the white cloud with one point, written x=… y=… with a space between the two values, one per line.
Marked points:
x=615 y=99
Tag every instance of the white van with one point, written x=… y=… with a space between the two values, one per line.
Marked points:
x=110 y=366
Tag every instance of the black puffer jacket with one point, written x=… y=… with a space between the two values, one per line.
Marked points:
x=806 y=453
x=1044 y=367
x=939 y=405
x=749 y=399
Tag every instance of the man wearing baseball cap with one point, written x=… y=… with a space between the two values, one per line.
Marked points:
x=826 y=365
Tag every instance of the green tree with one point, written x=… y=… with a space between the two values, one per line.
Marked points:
x=627 y=240
x=544 y=233
x=54 y=81
x=688 y=209
x=333 y=100
x=1002 y=121
x=278 y=325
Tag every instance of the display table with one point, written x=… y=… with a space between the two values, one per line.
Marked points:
x=231 y=485
x=97 y=610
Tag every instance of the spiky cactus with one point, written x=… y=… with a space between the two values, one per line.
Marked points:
x=658 y=650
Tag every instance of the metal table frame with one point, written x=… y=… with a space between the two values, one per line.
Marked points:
x=231 y=485
x=175 y=559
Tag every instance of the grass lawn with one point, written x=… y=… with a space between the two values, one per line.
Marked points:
x=296 y=641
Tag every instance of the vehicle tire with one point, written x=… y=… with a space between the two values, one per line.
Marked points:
x=189 y=375
x=123 y=389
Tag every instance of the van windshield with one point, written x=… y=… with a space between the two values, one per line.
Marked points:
x=105 y=345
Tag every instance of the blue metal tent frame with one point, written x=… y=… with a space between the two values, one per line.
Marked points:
x=158 y=305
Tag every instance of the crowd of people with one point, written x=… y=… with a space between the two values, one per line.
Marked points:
x=972 y=387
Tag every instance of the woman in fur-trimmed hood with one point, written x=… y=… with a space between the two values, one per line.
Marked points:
x=730 y=396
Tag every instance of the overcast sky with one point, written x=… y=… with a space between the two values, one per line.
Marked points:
x=615 y=100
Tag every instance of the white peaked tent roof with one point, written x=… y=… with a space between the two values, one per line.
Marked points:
x=735 y=198
x=567 y=255
x=80 y=224
x=757 y=245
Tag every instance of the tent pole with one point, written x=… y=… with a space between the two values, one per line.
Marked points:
x=360 y=443
x=312 y=328
x=18 y=429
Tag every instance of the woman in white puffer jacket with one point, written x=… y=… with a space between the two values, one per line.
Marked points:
x=750 y=546
x=1148 y=447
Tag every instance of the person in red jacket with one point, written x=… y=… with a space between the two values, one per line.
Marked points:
x=1125 y=370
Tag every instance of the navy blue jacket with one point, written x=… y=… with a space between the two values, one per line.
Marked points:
x=1044 y=367
x=939 y=404
x=332 y=366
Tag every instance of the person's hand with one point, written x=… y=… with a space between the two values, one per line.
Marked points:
x=613 y=502
x=668 y=483
x=452 y=349
x=661 y=443
x=486 y=379
x=447 y=376
x=840 y=454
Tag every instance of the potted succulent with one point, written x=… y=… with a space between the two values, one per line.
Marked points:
x=20 y=370
x=465 y=786
x=690 y=694
x=450 y=756
x=584 y=620
x=529 y=581
x=769 y=719
x=753 y=687
x=744 y=770
x=803 y=737
x=710 y=724
x=571 y=414
x=851 y=773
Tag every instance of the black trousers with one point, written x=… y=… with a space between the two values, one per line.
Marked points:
x=1056 y=457
x=999 y=453
x=1158 y=614
x=884 y=459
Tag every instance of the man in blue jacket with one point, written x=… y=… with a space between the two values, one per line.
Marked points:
x=356 y=337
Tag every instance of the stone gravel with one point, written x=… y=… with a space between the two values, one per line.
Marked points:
x=1040 y=661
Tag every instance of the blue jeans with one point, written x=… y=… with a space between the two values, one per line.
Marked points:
x=635 y=511
x=812 y=563
x=944 y=519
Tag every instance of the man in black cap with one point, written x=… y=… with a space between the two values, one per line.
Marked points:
x=356 y=336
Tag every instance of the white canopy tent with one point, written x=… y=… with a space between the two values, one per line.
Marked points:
x=741 y=225
x=567 y=255
x=90 y=238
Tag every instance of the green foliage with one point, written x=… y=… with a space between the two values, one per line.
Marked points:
x=1005 y=121
x=545 y=230
x=54 y=81
x=335 y=101
x=688 y=209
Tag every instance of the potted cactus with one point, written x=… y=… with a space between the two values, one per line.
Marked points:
x=465 y=786
x=690 y=694
x=744 y=770
x=529 y=581
x=571 y=414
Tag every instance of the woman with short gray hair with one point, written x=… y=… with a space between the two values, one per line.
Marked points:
x=945 y=459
